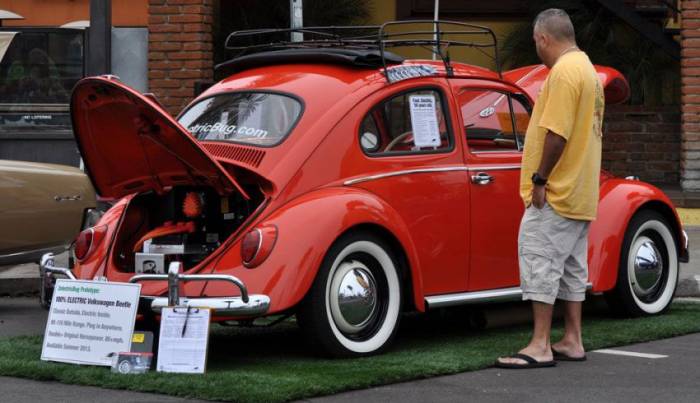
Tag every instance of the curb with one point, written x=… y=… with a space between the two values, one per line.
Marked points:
x=689 y=287
x=18 y=280
x=17 y=287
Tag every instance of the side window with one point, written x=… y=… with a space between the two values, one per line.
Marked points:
x=490 y=117
x=409 y=123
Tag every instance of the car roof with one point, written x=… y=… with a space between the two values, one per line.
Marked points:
x=300 y=77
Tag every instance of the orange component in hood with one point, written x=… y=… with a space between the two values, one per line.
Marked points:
x=169 y=228
x=192 y=205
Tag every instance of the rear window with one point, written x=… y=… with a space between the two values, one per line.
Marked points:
x=252 y=118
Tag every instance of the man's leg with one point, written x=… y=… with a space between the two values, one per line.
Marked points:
x=572 y=291
x=539 y=347
x=572 y=342
x=538 y=277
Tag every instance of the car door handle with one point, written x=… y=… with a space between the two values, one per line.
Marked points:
x=482 y=178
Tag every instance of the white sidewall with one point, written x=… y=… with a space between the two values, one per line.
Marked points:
x=394 y=304
x=670 y=245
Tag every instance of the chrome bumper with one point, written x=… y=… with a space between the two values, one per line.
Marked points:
x=245 y=305
x=47 y=281
x=222 y=306
x=47 y=265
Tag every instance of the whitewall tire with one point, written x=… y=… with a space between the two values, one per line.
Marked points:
x=648 y=271
x=354 y=305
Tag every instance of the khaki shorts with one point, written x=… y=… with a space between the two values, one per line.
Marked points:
x=553 y=255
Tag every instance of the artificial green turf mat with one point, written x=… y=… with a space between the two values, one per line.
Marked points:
x=275 y=365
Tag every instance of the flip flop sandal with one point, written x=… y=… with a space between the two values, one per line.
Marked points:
x=559 y=356
x=529 y=362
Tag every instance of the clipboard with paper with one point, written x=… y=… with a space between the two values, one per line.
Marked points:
x=184 y=339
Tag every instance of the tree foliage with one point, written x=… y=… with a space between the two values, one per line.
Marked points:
x=653 y=75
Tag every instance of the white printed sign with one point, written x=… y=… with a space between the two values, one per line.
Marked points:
x=426 y=132
x=90 y=320
x=183 y=340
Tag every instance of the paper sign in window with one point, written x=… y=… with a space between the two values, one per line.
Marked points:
x=424 y=123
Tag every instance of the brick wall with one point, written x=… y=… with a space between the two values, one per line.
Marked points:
x=643 y=141
x=690 y=90
x=179 y=49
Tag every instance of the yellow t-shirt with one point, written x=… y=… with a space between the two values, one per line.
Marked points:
x=570 y=104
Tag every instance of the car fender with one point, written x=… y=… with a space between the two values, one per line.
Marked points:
x=307 y=227
x=620 y=200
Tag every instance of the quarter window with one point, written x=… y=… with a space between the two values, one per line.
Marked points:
x=489 y=120
x=409 y=123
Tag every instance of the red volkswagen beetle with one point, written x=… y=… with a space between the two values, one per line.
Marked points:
x=346 y=185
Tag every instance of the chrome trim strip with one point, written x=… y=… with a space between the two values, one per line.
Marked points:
x=404 y=172
x=498 y=295
x=10 y=257
x=429 y=170
x=477 y=297
x=487 y=168
x=496 y=151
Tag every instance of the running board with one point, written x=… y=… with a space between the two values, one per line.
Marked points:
x=477 y=297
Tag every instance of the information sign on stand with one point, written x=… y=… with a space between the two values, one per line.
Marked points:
x=89 y=321
x=184 y=336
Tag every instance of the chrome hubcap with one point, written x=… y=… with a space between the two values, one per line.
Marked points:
x=354 y=294
x=648 y=267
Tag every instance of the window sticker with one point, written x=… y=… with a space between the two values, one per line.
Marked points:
x=398 y=73
x=426 y=132
x=224 y=131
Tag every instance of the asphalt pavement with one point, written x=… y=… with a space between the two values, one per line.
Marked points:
x=17 y=390
x=602 y=378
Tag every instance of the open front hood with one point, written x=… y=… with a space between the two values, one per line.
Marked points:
x=130 y=144
x=531 y=78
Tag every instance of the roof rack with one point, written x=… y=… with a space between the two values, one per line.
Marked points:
x=373 y=39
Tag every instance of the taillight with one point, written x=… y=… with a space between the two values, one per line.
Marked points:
x=251 y=245
x=84 y=242
x=257 y=245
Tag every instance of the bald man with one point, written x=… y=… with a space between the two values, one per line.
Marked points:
x=559 y=185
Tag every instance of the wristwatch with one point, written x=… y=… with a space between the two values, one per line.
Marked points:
x=538 y=180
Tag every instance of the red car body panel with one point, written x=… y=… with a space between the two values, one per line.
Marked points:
x=620 y=199
x=450 y=234
x=531 y=78
x=131 y=145
x=285 y=276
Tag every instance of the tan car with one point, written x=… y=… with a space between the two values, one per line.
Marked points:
x=42 y=208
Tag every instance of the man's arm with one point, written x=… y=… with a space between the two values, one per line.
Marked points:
x=553 y=148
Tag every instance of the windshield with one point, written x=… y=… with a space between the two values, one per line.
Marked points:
x=253 y=118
